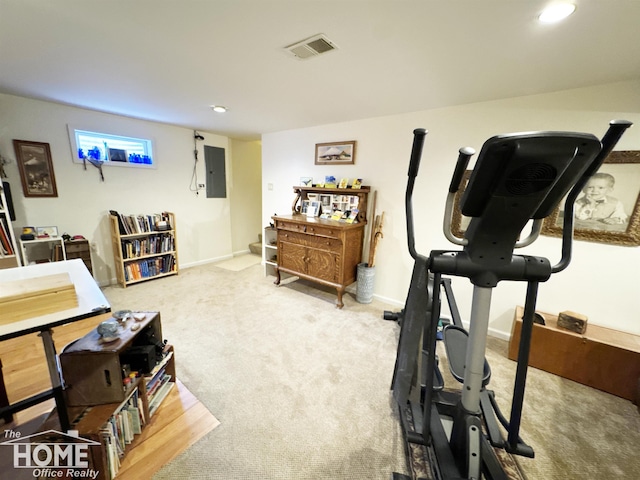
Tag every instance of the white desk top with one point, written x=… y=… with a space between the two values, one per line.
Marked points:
x=91 y=300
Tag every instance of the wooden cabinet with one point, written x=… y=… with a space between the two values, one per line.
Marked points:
x=321 y=250
x=103 y=406
x=9 y=257
x=79 y=249
x=144 y=246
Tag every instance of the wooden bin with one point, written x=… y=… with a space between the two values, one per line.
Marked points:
x=93 y=371
x=601 y=358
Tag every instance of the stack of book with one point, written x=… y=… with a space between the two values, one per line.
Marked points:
x=149 y=267
x=140 y=247
x=121 y=429
x=133 y=224
x=158 y=384
x=6 y=248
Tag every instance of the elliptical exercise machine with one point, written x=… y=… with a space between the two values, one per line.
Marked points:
x=517 y=179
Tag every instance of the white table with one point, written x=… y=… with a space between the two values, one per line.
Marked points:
x=40 y=241
x=91 y=302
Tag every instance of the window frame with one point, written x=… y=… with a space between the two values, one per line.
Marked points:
x=103 y=136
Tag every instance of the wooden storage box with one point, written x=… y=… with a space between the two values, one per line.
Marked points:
x=601 y=358
x=28 y=298
x=79 y=249
x=93 y=370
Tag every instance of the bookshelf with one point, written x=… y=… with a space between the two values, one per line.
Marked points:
x=270 y=250
x=145 y=247
x=8 y=247
x=115 y=413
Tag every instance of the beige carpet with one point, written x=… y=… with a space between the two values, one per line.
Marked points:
x=240 y=262
x=302 y=389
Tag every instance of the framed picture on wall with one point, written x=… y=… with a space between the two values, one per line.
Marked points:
x=36 y=168
x=336 y=153
x=608 y=209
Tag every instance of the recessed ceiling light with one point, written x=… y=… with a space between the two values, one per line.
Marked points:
x=218 y=108
x=556 y=12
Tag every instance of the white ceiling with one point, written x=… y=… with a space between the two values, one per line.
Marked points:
x=168 y=60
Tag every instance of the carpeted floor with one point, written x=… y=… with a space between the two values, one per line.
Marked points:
x=302 y=389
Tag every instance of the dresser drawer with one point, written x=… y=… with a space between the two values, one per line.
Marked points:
x=323 y=243
x=290 y=226
x=324 y=231
x=77 y=246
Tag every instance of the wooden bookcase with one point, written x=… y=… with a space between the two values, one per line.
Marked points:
x=100 y=403
x=141 y=251
x=10 y=258
x=321 y=250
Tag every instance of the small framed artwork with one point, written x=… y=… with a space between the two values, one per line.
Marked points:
x=117 y=155
x=325 y=200
x=36 y=168
x=306 y=181
x=330 y=181
x=313 y=209
x=46 y=232
x=336 y=153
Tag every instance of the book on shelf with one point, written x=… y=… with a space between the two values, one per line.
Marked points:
x=161 y=394
x=139 y=224
x=6 y=247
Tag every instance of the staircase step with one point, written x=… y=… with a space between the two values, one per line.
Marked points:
x=256 y=248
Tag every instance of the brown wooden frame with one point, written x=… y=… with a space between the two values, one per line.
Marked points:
x=625 y=167
x=36 y=168
x=322 y=148
x=459 y=221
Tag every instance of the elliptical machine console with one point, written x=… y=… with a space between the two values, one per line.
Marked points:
x=517 y=179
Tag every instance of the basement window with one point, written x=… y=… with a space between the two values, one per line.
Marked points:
x=110 y=149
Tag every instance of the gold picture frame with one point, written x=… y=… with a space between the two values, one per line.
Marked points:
x=336 y=153
x=624 y=168
x=36 y=168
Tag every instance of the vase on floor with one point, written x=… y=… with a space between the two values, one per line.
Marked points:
x=366 y=280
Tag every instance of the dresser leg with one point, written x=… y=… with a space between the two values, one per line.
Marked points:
x=340 y=292
x=277 y=280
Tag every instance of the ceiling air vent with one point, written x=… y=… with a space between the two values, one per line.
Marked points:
x=311 y=47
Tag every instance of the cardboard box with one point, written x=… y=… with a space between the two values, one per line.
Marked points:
x=34 y=297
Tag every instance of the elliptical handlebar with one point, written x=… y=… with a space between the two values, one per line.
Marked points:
x=609 y=140
x=414 y=165
x=416 y=151
x=465 y=154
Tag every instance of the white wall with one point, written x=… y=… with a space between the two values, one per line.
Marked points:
x=83 y=202
x=602 y=281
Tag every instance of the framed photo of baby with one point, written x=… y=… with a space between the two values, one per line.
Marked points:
x=608 y=208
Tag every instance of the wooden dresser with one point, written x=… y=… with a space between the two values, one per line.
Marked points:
x=79 y=249
x=321 y=250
